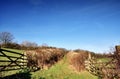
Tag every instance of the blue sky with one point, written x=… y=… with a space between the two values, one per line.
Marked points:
x=92 y=25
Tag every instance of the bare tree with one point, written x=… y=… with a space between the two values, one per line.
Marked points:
x=6 y=37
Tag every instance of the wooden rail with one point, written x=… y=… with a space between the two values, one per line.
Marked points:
x=8 y=63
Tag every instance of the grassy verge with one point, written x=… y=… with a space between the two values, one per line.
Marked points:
x=61 y=70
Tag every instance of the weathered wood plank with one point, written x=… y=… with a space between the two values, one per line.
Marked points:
x=11 y=69
x=12 y=61
x=11 y=52
x=11 y=65
x=12 y=57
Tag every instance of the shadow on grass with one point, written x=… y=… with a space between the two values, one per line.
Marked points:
x=23 y=75
x=42 y=78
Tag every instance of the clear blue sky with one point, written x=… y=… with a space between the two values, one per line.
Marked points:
x=92 y=25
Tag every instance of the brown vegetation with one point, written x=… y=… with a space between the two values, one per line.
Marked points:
x=76 y=59
x=44 y=57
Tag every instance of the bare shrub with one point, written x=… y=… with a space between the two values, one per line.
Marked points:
x=44 y=58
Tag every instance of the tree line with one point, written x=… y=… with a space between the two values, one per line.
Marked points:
x=7 y=41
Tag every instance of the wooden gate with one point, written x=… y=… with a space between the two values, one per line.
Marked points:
x=106 y=70
x=11 y=60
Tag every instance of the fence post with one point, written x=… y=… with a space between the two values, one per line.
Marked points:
x=117 y=55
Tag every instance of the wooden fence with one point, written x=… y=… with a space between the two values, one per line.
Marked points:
x=10 y=60
x=106 y=70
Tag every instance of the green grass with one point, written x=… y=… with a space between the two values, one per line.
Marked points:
x=103 y=59
x=61 y=70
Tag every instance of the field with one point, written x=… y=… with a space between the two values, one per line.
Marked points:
x=61 y=70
